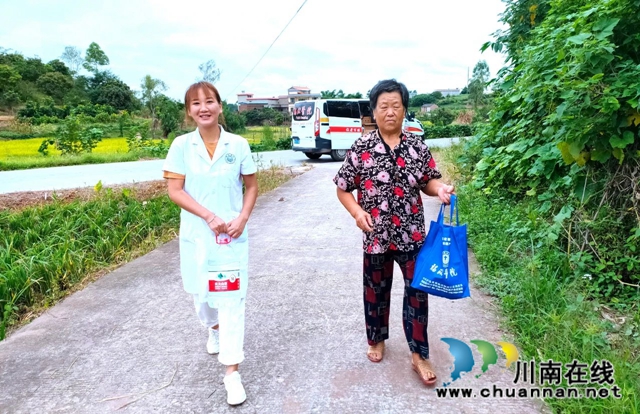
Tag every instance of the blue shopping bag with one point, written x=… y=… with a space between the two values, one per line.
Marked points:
x=442 y=265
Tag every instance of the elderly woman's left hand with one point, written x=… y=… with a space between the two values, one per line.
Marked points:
x=444 y=193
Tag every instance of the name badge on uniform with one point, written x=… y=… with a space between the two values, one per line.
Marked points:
x=230 y=158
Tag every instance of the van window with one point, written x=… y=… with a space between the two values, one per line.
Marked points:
x=302 y=111
x=342 y=109
x=365 y=108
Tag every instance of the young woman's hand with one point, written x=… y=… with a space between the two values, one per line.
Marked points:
x=236 y=226
x=217 y=225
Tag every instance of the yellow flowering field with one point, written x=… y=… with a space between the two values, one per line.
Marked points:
x=21 y=148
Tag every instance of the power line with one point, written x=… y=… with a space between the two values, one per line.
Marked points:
x=269 y=48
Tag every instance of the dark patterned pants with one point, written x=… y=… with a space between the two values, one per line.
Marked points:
x=378 y=277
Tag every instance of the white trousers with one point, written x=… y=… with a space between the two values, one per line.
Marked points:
x=230 y=318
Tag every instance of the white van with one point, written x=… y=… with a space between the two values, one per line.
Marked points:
x=330 y=126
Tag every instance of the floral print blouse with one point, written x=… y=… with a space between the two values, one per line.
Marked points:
x=389 y=184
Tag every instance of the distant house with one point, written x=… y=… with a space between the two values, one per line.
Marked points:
x=247 y=102
x=299 y=93
x=449 y=92
x=426 y=108
x=298 y=90
x=282 y=103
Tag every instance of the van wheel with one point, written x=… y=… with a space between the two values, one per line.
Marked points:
x=312 y=155
x=338 y=155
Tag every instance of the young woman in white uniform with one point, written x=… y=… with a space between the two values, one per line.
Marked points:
x=205 y=170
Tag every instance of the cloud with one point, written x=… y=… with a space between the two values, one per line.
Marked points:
x=330 y=44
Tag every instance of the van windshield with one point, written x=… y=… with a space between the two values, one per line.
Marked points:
x=302 y=111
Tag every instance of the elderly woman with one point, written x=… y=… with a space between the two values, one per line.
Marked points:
x=389 y=168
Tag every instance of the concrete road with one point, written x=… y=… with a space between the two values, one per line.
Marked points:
x=88 y=175
x=132 y=336
x=60 y=178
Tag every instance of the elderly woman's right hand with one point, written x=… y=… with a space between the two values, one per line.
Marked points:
x=363 y=220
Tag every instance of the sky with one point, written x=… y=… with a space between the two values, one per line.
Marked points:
x=329 y=44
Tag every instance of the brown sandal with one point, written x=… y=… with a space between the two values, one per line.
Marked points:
x=423 y=369
x=375 y=349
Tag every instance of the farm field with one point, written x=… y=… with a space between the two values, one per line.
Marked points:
x=17 y=154
x=25 y=148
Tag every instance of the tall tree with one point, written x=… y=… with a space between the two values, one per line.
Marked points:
x=55 y=84
x=94 y=58
x=210 y=72
x=11 y=99
x=8 y=77
x=333 y=94
x=105 y=88
x=478 y=83
x=73 y=57
x=57 y=65
x=476 y=92
x=169 y=114
x=151 y=90
x=481 y=71
x=31 y=68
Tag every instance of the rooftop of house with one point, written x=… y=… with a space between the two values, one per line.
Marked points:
x=263 y=98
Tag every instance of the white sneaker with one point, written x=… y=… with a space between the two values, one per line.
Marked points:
x=235 y=390
x=213 y=343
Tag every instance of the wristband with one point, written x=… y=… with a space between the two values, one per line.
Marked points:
x=214 y=217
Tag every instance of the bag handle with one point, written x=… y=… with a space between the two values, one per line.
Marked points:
x=452 y=206
x=441 y=215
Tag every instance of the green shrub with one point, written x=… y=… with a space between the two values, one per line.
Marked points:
x=283 y=144
x=564 y=131
x=22 y=135
x=268 y=140
x=545 y=304
x=139 y=140
x=257 y=147
x=234 y=121
x=71 y=138
x=449 y=131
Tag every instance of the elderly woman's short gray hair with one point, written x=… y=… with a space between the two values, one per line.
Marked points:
x=389 y=85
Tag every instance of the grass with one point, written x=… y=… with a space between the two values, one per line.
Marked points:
x=24 y=163
x=46 y=251
x=549 y=312
x=254 y=134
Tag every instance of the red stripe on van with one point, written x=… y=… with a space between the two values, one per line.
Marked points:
x=344 y=129
x=413 y=129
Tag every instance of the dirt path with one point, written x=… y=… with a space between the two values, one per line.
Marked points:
x=18 y=201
